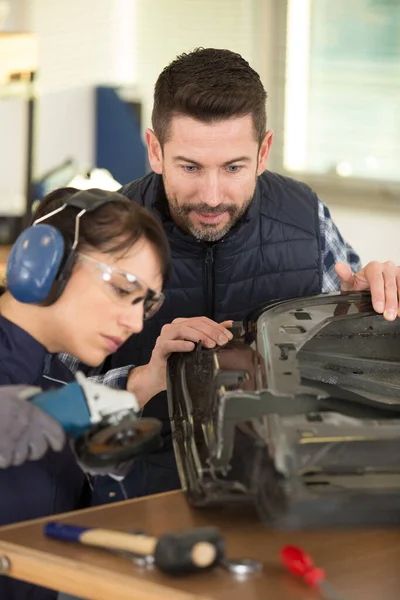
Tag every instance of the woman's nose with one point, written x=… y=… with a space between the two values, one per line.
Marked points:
x=132 y=317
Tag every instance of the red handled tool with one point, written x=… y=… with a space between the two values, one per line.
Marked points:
x=300 y=563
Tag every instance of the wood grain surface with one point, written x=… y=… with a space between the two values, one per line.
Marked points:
x=360 y=564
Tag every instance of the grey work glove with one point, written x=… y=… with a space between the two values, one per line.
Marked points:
x=26 y=432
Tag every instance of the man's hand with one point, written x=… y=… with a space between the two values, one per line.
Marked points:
x=181 y=335
x=383 y=279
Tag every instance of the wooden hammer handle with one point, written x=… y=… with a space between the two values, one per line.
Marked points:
x=117 y=540
x=103 y=538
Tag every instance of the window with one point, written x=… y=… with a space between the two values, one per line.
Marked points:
x=342 y=92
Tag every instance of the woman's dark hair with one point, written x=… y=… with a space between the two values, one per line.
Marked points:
x=112 y=228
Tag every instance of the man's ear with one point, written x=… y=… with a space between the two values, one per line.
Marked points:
x=154 y=151
x=264 y=151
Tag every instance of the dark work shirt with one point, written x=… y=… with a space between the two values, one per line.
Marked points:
x=48 y=486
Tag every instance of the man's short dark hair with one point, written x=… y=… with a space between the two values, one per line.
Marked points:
x=209 y=85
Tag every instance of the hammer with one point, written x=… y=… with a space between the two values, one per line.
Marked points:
x=175 y=553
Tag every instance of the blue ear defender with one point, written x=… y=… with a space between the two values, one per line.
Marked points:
x=41 y=260
x=34 y=262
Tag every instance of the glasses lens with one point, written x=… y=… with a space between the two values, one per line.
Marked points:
x=152 y=303
x=124 y=288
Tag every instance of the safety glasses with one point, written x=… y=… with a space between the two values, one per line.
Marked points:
x=122 y=287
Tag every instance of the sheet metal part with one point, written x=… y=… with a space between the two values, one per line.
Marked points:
x=304 y=385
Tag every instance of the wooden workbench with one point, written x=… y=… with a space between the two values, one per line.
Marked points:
x=362 y=565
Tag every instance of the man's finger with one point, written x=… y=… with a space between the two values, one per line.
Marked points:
x=376 y=284
x=398 y=288
x=389 y=272
x=345 y=275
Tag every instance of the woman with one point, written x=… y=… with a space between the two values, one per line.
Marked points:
x=84 y=297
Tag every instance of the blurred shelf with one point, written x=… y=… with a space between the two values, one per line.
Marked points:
x=23 y=88
x=19 y=56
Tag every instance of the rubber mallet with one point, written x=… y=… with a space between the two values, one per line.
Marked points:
x=179 y=552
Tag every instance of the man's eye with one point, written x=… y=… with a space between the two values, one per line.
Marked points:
x=233 y=168
x=189 y=168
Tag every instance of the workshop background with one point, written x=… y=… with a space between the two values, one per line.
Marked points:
x=76 y=97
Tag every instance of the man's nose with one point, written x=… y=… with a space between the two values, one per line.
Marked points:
x=212 y=193
x=131 y=317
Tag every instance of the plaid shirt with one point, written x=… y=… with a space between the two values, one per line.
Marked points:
x=116 y=378
x=333 y=249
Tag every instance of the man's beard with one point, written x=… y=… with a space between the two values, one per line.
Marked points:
x=208 y=232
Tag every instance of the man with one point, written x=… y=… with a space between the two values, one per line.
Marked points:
x=240 y=236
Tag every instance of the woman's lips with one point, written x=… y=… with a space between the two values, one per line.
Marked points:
x=112 y=342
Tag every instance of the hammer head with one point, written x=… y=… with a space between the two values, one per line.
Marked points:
x=190 y=550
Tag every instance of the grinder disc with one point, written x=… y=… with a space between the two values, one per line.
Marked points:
x=112 y=444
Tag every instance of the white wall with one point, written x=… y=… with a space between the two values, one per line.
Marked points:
x=81 y=43
x=64 y=128
x=374 y=232
x=168 y=28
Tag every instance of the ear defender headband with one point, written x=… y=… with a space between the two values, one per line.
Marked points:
x=41 y=260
